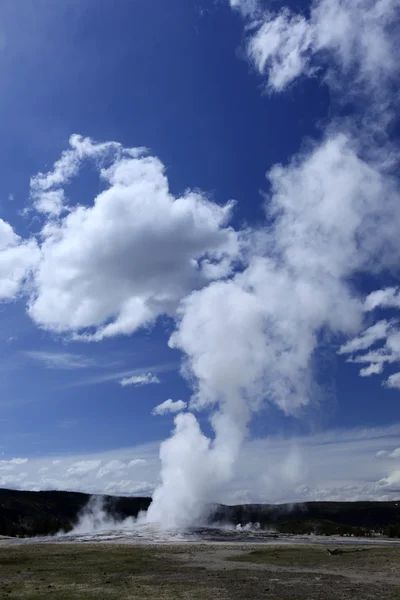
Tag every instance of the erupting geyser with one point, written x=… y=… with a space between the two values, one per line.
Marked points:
x=333 y=211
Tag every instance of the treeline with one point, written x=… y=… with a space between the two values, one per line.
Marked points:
x=359 y=519
x=39 y=527
x=46 y=513
x=27 y=514
x=329 y=528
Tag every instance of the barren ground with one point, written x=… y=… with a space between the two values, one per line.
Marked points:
x=197 y=572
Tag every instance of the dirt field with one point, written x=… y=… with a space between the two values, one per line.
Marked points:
x=197 y=572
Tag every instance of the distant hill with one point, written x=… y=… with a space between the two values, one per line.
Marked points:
x=324 y=518
x=42 y=513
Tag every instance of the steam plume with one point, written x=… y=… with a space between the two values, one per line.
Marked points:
x=333 y=211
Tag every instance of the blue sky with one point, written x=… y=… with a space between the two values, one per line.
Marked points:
x=186 y=81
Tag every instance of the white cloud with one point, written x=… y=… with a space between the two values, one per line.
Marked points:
x=382 y=454
x=169 y=406
x=377 y=357
x=251 y=339
x=6 y=467
x=391 y=483
x=51 y=203
x=10 y=465
x=13 y=461
x=83 y=467
x=107 y=472
x=137 y=252
x=257 y=331
x=116 y=265
x=393 y=381
x=46 y=188
x=17 y=258
x=280 y=47
x=138 y=380
x=388 y=454
x=129 y=487
x=113 y=466
x=13 y=480
x=61 y=360
x=331 y=465
x=352 y=43
x=135 y=462
x=373 y=334
x=387 y=298
x=361 y=34
x=372 y=369
x=246 y=7
x=358 y=35
x=125 y=374
x=387 y=332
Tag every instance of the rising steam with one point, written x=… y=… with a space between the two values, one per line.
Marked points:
x=333 y=211
x=96 y=518
x=250 y=307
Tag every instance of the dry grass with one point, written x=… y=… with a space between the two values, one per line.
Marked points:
x=376 y=560
x=213 y=572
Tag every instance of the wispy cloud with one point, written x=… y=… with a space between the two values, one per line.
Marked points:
x=69 y=423
x=384 y=332
x=139 y=380
x=118 y=376
x=102 y=371
x=61 y=360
